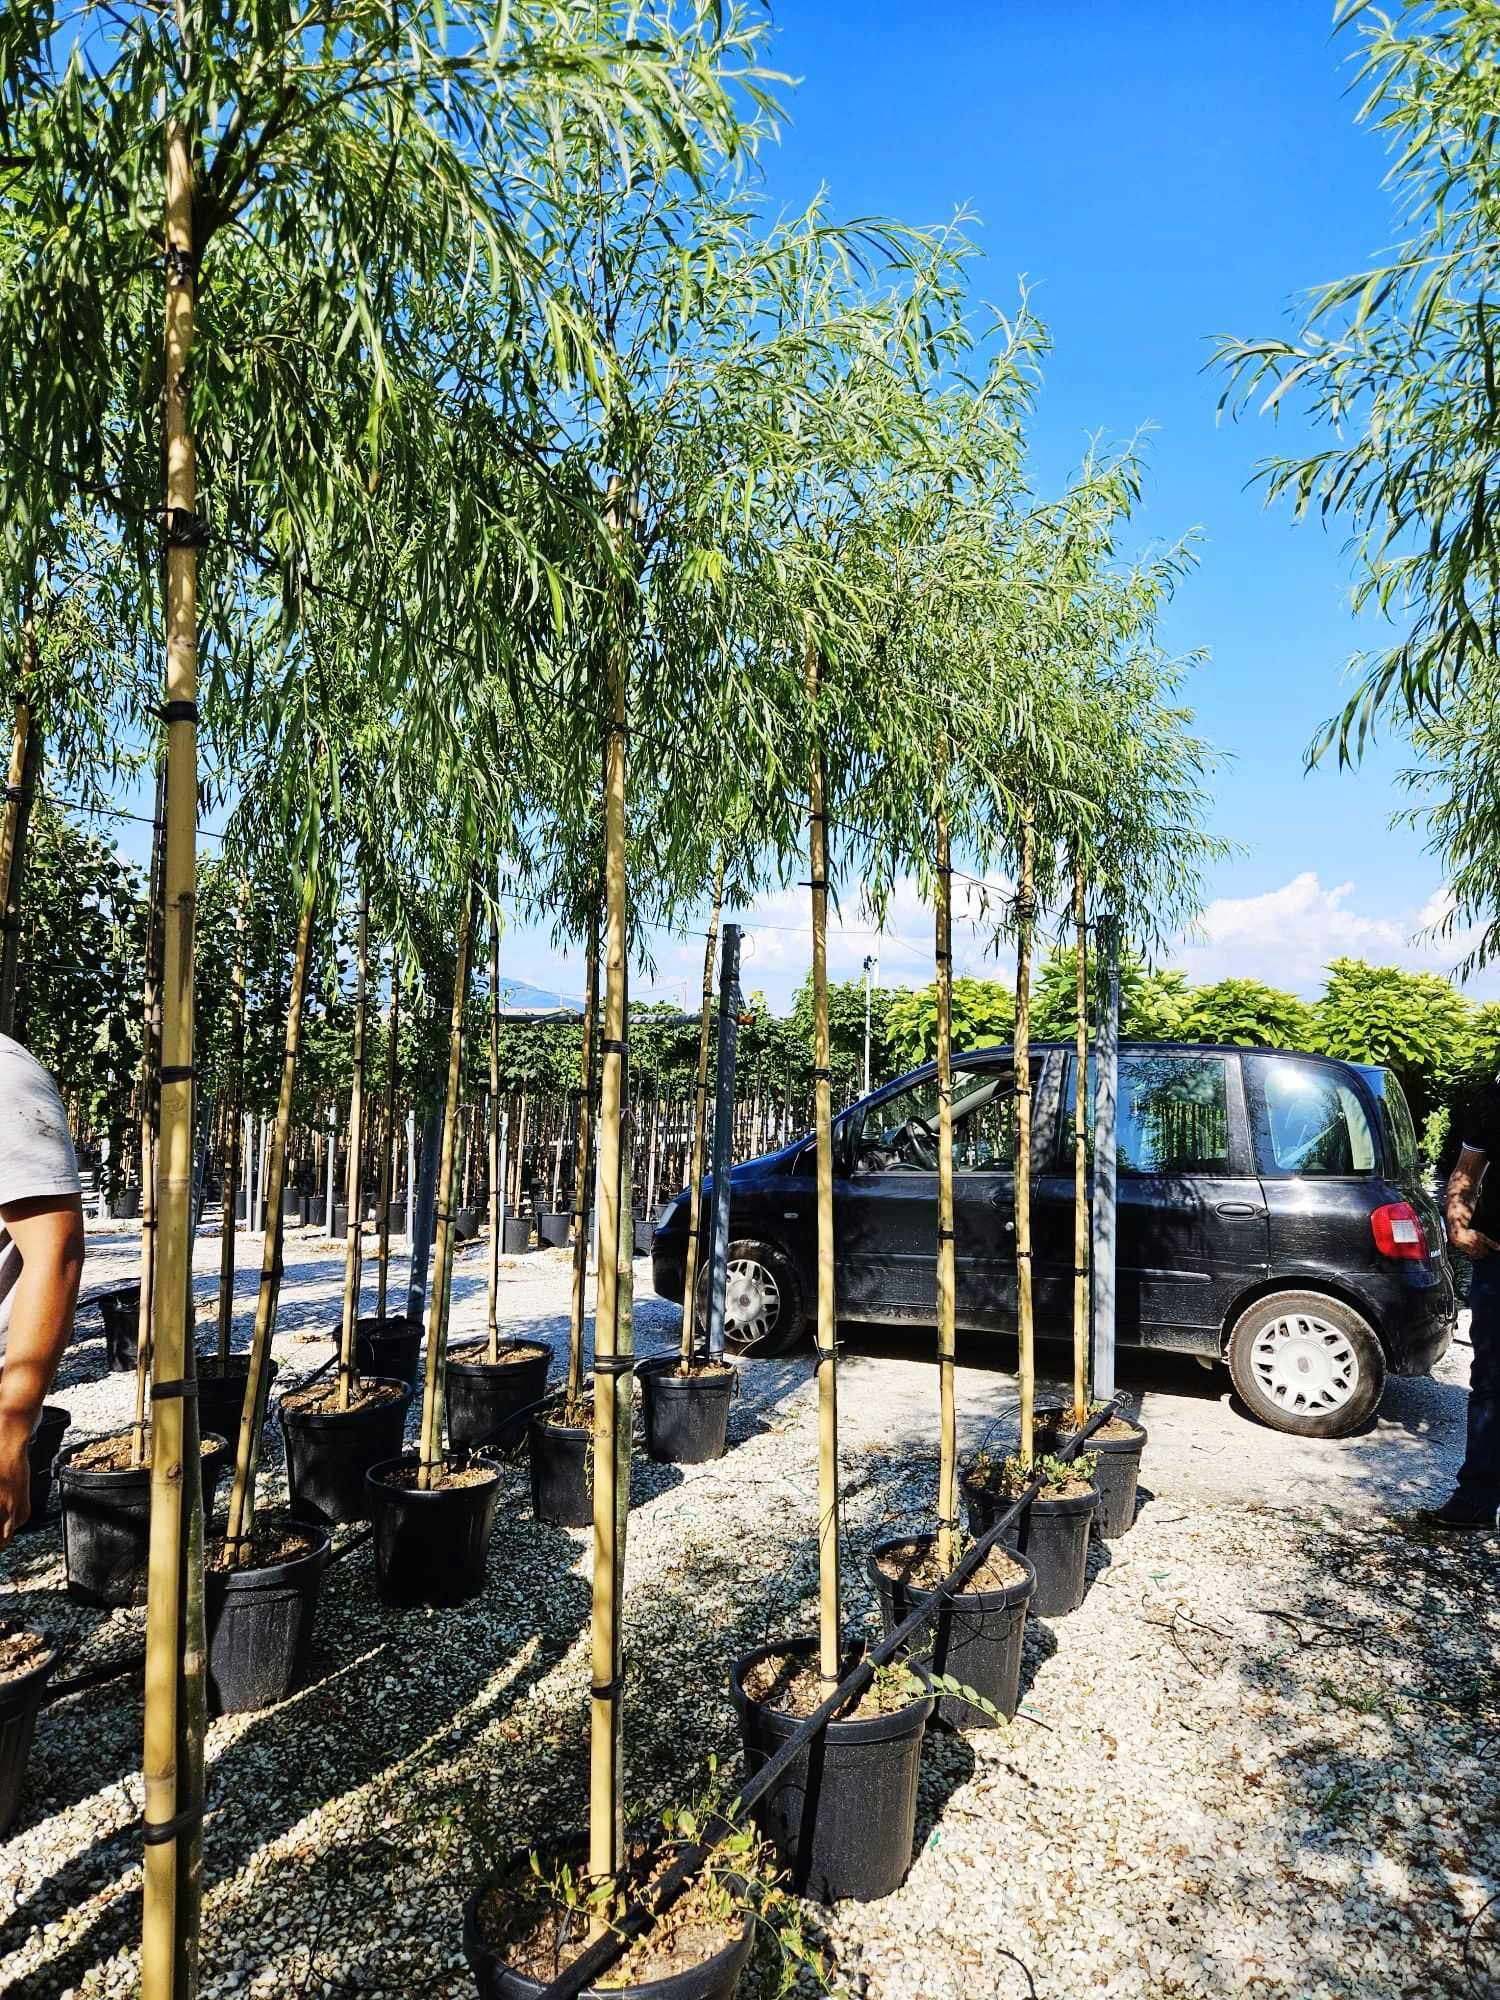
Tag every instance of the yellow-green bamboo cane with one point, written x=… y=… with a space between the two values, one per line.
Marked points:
x=388 y=1137
x=150 y=1065
x=237 y=1540
x=430 y=1440
x=22 y=781
x=700 y=1126
x=583 y=1168
x=1025 y=1317
x=173 y=1736
x=947 y=1307
x=830 y=1645
x=1080 y=1149
x=612 y=1331
x=354 y=1236
x=497 y=1204
x=231 y=1175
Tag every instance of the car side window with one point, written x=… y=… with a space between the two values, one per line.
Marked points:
x=900 y=1134
x=1171 y=1115
x=1306 y=1119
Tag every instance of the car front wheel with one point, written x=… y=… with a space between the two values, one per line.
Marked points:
x=1307 y=1364
x=764 y=1312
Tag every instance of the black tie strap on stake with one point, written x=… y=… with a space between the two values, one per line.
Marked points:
x=165 y=1392
x=183 y=529
x=602 y=1954
x=822 y=1076
x=14 y=795
x=608 y=1690
x=614 y=1364
x=947 y=1236
x=612 y=1047
x=177 y=1073
x=155 y=1832
x=181 y=264
x=1023 y=1253
x=178 y=711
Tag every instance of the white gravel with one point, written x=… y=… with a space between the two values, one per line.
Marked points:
x=1261 y=1758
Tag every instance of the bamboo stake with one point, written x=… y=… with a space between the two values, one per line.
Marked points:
x=497 y=1193
x=583 y=1168
x=354 y=1237
x=174 y=1709
x=150 y=1062
x=947 y=1306
x=1080 y=1150
x=1025 y=1318
x=430 y=1461
x=231 y=1173
x=612 y=1331
x=700 y=1123
x=20 y=797
x=237 y=1539
x=388 y=1139
x=829 y=1636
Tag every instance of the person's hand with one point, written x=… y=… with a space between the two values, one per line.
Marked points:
x=1472 y=1242
x=15 y=1475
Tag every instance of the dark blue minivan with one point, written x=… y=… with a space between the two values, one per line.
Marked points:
x=1272 y=1215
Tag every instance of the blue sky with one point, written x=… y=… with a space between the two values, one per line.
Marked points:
x=1161 y=173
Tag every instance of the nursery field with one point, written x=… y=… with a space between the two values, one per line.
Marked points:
x=1258 y=1758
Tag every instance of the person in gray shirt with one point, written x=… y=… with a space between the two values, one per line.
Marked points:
x=41 y=1261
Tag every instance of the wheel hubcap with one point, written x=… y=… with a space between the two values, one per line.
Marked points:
x=1304 y=1365
x=752 y=1303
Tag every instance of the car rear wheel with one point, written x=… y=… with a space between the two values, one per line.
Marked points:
x=1307 y=1364
x=764 y=1312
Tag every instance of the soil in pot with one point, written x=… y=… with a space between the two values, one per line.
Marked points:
x=686 y=1416
x=259 y=1616
x=1116 y=1449
x=27 y=1663
x=522 y=1928
x=431 y=1545
x=844 y=1812
x=1052 y=1533
x=106 y=1510
x=121 y=1312
x=221 y=1392
x=485 y=1397
x=975 y=1638
x=561 y=1446
x=46 y=1442
x=389 y=1347
x=329 y=1450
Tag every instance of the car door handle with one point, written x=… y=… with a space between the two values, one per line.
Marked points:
x=1238 y=1208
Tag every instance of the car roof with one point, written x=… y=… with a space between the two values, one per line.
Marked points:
x=1133 y=1046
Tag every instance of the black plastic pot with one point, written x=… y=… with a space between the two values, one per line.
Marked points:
x=221 y=1393
x=555 y=1229
x=46 y=1442
x=484 y=1397
x=644 y=1228
x=20 y=1699
x=328 y=1453
x=398 y=1218
x=239 y=1206
x=293 y=1209
x=1053 y=1534
x=562 y=1491
x=715 y=1979
x=106 y=1523
x=259 y=1624
x=126 y=1205
x=466 y=1224
x=317 y=1211
x=121 y=1311
x=340 y=1221
x=517 y=1235
x=1116 y=1472
x=430 y=1548
x=843 y=1815
x=686 y=1416
x=391 y=1347
x=974 y=1638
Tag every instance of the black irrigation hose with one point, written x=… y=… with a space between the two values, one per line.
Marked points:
x=603 y=1953
x=112 y=1670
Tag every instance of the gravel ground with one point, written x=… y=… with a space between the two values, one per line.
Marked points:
x=1261 y=1758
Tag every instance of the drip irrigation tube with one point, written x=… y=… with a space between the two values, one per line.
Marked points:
x=602 y=1954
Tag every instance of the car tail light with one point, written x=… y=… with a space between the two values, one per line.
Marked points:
x=1398 y=1231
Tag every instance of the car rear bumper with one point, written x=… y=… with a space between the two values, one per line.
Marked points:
x=1418 y=1325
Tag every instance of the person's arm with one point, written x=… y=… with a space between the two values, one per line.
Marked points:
x=48 y=1234
x=1462 y=1198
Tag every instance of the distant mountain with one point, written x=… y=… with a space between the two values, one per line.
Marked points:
x=517 y=993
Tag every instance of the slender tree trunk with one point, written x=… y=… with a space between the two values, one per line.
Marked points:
x=947 y=1314
x=700 y=1124
x=1080 y=1150
x=354 y=1239
x=231 y=1174
x=829 y=1635
x=1025 y=1317
x=520 y=1182
x=388 y=1138
x=497 y=1193
x=237 y=1541
x=430 y=1464
x=15 y=829
x=583 y=1168
x=175 y=1700
x=150 y=1064
x=612 y=1330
